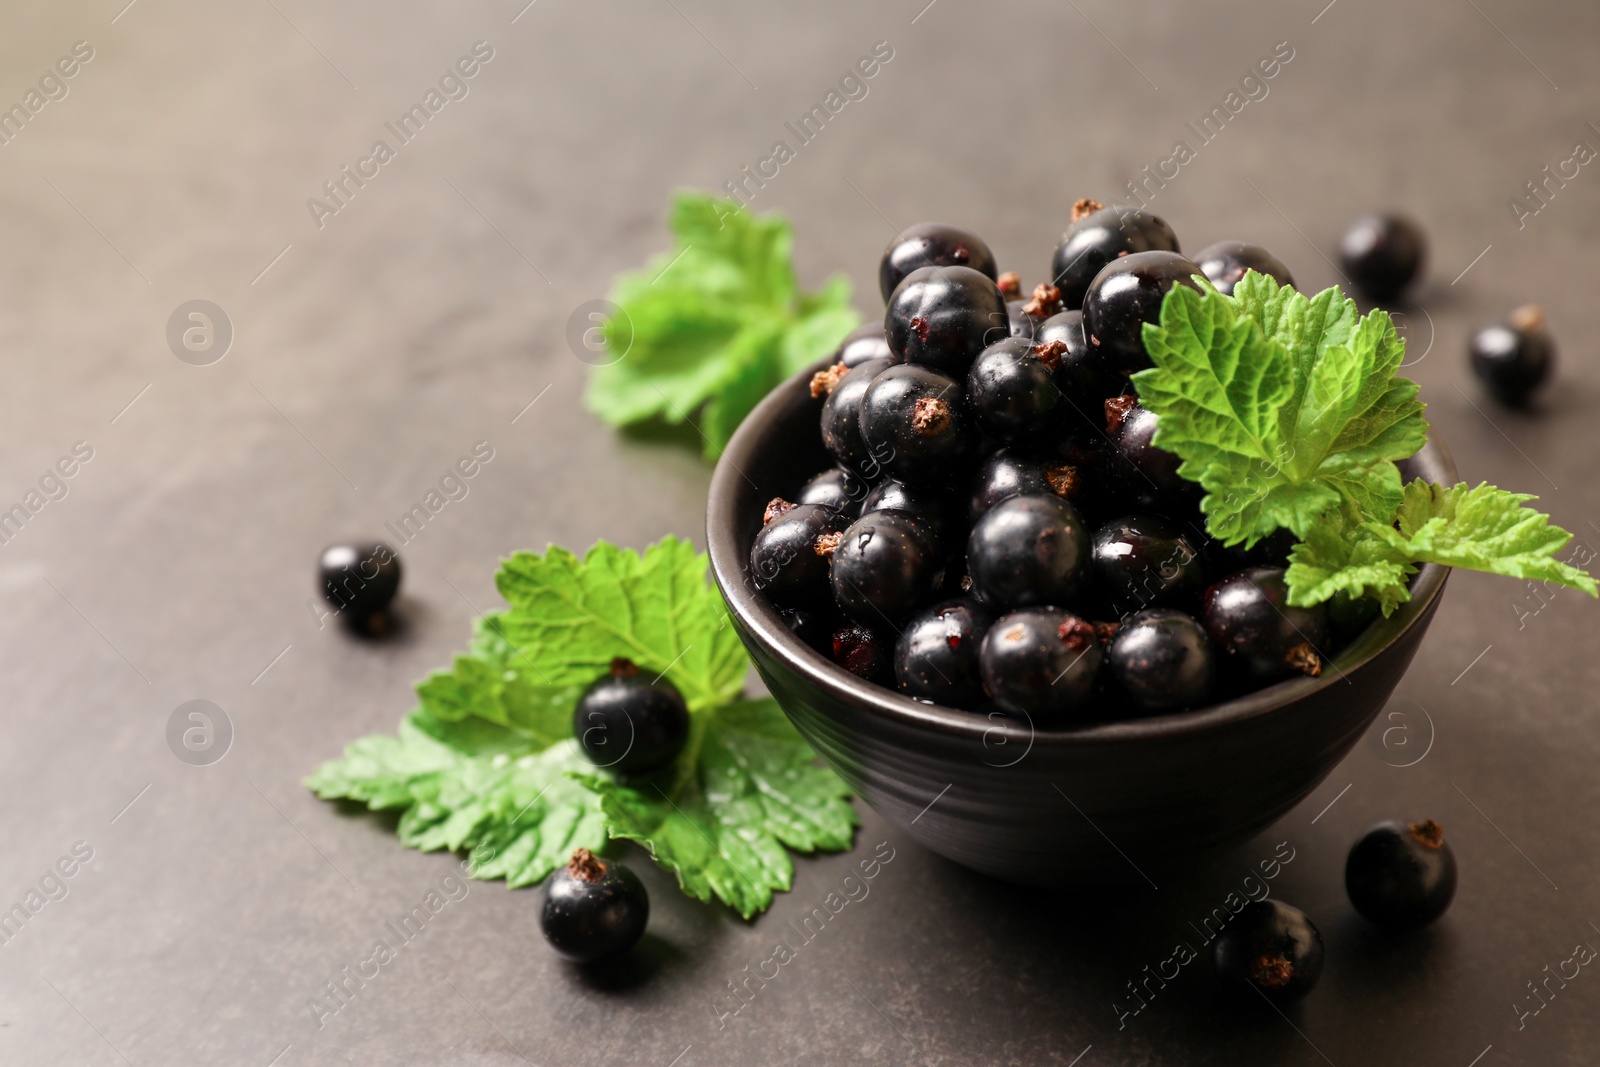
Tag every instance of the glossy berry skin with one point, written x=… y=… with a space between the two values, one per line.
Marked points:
x=1124 y=296
x=932 y=244
x=1163 y=660
x=1383 y=254
x=865 y=652
x=839 y=489
x=628 y=723
x=932 y=507
x=1225 y=262
x=865 y=342
x=841 y=419
x=1149 y=473
x=1008 y=472
x=915 y=423
x=1013 y=392
x=1513 y=358
x=1401 y=876
x=1256 y=632
x=1082 y=372
x=1020 y=323
x=1143 y=562
x=1028 y=550
x=1100 y=237
x=942 y=317
x=1270 y=949
x=1041 y=663
x=936 y=657
x=360 y=578
x=885 y=568
x=593 y=910
x=789 y=557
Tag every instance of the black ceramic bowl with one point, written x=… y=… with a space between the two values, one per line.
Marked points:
x=1098 y=805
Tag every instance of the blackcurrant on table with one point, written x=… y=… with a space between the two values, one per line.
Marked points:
x=248 y=332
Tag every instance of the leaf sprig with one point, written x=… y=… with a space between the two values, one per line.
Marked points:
x=487 y=762
x=1289 y=412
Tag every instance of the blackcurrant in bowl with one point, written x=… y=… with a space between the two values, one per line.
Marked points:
x=1127 y=294
x=1100 y=237
x=942 y=317
x=1226 y=262
x=932 y=244
x=1165 y=786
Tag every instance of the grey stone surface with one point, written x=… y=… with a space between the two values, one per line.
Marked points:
x=370 y=352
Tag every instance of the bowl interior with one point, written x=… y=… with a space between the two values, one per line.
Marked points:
x=778 y=447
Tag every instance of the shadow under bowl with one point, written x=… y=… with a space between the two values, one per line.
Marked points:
x=1106 y=804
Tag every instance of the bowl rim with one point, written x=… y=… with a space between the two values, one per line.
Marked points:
x=760 y=620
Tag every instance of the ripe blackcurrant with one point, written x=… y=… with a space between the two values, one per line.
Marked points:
x=942 y=317
x=841 y=418
x=1013 y=390
x=1382 y=254
x=1163 y=660
x=915 y=423
x=359 y=578
x=1040 y=662
x=1099 y=237
x=1082 y=372
x=1007 y=472
x=839 y=489
x=1126 y=294
x=864 y=652
x=1401 y=875
x=1271 y=948
x=1513 y=358
x=1256 y=631
x=932 y=506
x=932 y=244
x=861 y=344
x=814 y=626
x=1019 y=322
x=789 y=558
x=1141 y=562
x=593 y=910
x=1149 y=473
x=1226 y=261
x=1028 y=550
x=628 y=723
x=936 y=657
x=885 y=568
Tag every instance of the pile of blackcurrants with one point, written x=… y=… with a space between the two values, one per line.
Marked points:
x=998 y=531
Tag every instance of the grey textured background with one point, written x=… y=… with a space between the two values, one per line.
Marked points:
x=427 y=314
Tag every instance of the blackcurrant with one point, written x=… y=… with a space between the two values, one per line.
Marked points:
x=1513 y=358
x=1126 y=294
x=932 y=244
x=936 y=657
x=1099 y=237
x=942 y=317
x=839 y=489
x=1383 y=254
x=1163 y=660
x=932 y=506
x=593 y=910
x=1082 y=372
x=865 y=342
x=1141 y=562
x=1271 y=948
x=1019 y=322
x=1007 y=472
x=915 y=423
x=360 y=578
x=628 y=723
x=1256 y=631
x=1148 y=473
x=885 y=568
x=1226 y=261
x=1028 y=550
x=841 y=418
x=1040 y=662
x=790 y=555
x=1013 y=391
x=814 y=626
x=1401 y=875
x=864 y=652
